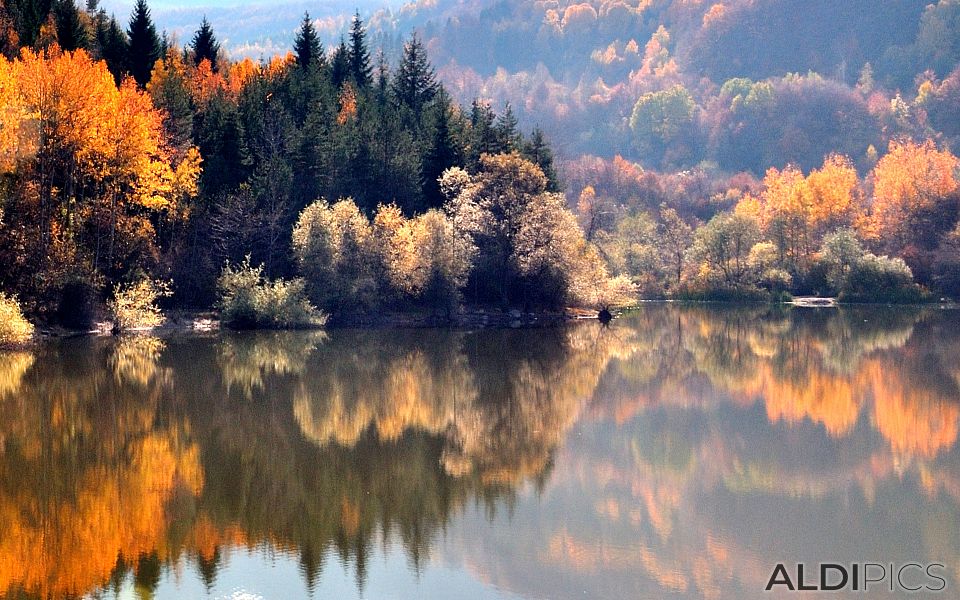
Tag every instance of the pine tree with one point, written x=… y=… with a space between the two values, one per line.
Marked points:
x=538 y=151
x=143 y=50
x=27 y=17
x=358 y=56
x=483 y=135
x=383 y=79
x=340 y=65
x=508 y=137
x=71 y=33
x=444 y=153
x=307 y=46
x=205 y=45
x=415 y=84
x=111 y=45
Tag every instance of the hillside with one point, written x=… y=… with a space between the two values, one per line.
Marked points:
x=849 y=75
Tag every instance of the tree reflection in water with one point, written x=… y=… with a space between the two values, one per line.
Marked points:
x=699 y=430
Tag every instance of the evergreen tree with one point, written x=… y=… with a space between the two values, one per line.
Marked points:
x=27 y=17
x=538 y=151
x=9 y=42
x=358 y=56
x=483 y=135
x=312 y=155
x=71 y=32
x=383 y=79
x=205 y=45
x=415 y=84
x=444 y=153
x=340 y=65
x=507 y=133
x=307 y=46
x=222 y=142
x=111 y=45
x=143 y=50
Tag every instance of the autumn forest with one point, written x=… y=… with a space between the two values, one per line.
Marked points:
x=419 y=201
x=345 y=179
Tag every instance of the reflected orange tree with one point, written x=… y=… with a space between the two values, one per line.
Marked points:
x=88 y=465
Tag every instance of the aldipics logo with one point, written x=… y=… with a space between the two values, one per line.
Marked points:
x=859 y=577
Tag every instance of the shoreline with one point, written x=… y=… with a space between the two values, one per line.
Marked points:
x=207 y=321
x=187 y=321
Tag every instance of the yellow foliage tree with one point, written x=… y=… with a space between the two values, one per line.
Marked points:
x=795 y=211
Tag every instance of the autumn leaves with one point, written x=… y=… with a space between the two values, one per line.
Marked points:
x=88 y=171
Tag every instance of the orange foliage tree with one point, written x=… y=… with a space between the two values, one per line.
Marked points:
x=93 y=173
x=796 y=211
x=914 y=196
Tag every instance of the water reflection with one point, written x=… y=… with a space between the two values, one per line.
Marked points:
x=681 y=450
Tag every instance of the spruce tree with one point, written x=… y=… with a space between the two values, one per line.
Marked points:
x=307 y=46
x=483 y=135
x=71 y=33
x=9 y=42
x=170 y=92
x=383 y=79
x=27 y=17
x=340 y=65
x=415 y=84
x=143 y=49
x=444 y=153
x=508 y=136
x=111 y=45
x=538 y=151
x=205 y=45
x=359 y=57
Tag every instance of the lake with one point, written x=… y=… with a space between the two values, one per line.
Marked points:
x=681 y=452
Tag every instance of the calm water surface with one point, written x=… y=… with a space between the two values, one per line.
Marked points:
x=680 y=453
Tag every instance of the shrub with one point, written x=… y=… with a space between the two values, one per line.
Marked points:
x=946 y=275
x=725 y=294
x=880 y=279
x=249 y=301
x=134 y=306
x=860 y=276
x=766 y=272
x=15 y=330
x=839 y=255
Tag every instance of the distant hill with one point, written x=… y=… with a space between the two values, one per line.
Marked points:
x=250 y=28
x=580 y=69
